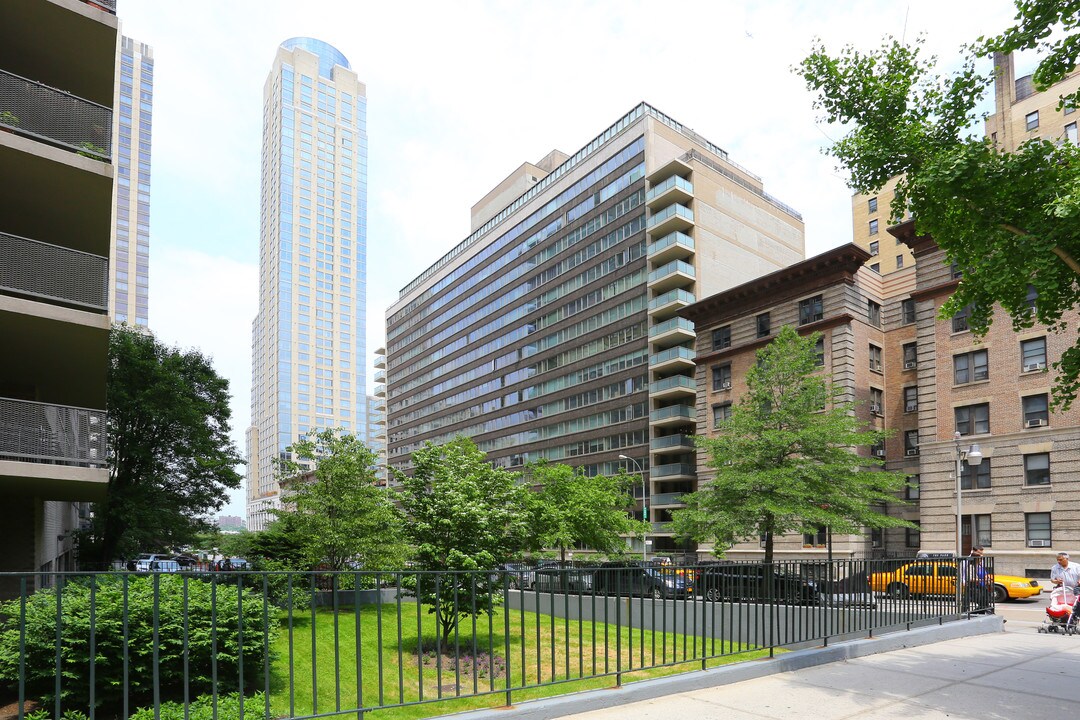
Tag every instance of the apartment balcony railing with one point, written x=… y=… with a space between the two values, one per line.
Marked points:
x=684 y=412
x=673 y=217
x=680 y=354
x=671 y=442
x=39 y=432
x=675 y=498
x=55 y=117
x=661 y=527
x=670 y=470
x=675 y=382
x=108 y=6
x=680 y=296
x=55 y=273
x=671 y=246
x=675 y=323
x=380 y=376
x=677 y=187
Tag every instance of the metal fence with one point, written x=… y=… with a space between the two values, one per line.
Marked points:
x=31 y=108
x=40 y=432
x=52 y=272
x=305 y=645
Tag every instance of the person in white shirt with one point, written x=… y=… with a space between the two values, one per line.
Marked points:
x=1064 y=572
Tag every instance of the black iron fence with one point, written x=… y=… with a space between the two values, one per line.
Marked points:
x=304 y=645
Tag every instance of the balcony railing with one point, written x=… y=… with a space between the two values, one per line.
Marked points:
x=675 y=323
x=52 y=272
x=679 y=295
x=38 y=432
x=671 y=211
x=675 y=353
x=670 y=441
x=674 y=498
x=673 y=411
x=675 y=381
x=55 y=117
x=660 y=471
x=672 y=182
x=108 y=6
x=670 y=240
x=676 y=266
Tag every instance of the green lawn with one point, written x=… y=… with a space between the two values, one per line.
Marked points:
x=576 y=658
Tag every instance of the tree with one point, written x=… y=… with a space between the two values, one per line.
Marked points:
x=463 y=515
x=577 y=508
x=340 y=516
x=1008 y=220
x=171 y=458
x=785 y=460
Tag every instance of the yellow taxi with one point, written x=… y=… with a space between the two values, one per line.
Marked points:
x=926 y=577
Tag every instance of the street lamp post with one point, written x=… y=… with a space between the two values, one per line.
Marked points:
x=974 y=458
x=644 y=507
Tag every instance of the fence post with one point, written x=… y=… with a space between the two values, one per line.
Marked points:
x=506 y=639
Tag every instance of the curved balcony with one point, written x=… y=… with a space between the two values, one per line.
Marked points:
x=673 y=246
x=676 y=386
x=666 y=305
x=673 y=218
x=673 y=275
x=674 y=189
x=672 y=360
x=671 y=444
x=673 y=415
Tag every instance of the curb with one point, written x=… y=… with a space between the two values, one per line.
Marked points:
x=582 y=702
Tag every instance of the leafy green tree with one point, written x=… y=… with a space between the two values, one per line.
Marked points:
x=463 y=515
x=785 y=460
x=171 y=458
x=576 y=508
x=340 y=517
x=1009 y=220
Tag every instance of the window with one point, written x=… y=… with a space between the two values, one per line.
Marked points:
x=1030 y=299
x=1031 y=120
x=878 y=449
x=983 y=535
x=957 y=273
x=907 y=311
x=877 y=401
x=819 y=352
x=899 y=261
x=811 y=310
x=873 y=229
x=911 y=492
x=873 y=313
x=1069 y=109
x=1037 y=469
x=875 y=358
x=1036 y=410
x=960 y=320
x=764 y=325
x=871 y=205
x=877 y=537
x=1037 y=529
x=819 y=537
x=975 y=477
x=721 y=377
x=973 y=419
x=876 y=267
x=970 y=367
x=911 y=442
x=1070 y=133
x=911 y=538
x=874 y=247
x=721 y=338
x=911 y=399
x=720 y=413
x=1033 y=354
x=911 y=356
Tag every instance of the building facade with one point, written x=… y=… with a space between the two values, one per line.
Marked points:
x=129 y=265
x=309 y=337
x=55 y=220
x=550 y=333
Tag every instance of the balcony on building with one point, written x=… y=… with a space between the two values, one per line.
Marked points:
x=673 y=246
x=673 y=190
x=675 y=274
x=671 y=167
x=673 y=331
x=380 y=362
x=666 y=305
x=673 y=499
x=659 y=528
x=672 y=471
x=676 y=386
x=380 y=390
x=672 y=360
x=54 y=274
x=671 y=444
x=672 y=415
x=673 y=218
x=380 y=376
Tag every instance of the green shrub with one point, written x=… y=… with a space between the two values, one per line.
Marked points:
x=43 y=714
x=201 y=598
x=202 y=708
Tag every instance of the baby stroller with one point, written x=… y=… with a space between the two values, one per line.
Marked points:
x=1062 y=614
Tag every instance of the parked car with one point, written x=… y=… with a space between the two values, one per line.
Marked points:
x=519 y=576
x=565 y=580
x=932 y=577
x=164 y=566
x=643 y=581
x=749 y=582
x=143 y=561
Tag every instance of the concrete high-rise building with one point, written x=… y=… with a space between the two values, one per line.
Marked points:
x=55 y=217
x=550 y=332
x=308 y=344
x=129 y=266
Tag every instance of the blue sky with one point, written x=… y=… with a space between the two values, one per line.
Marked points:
x=460 y=94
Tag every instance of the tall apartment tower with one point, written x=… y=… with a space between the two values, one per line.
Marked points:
x=129 y=266
x=309 y=338
x=55 y=217
x=550 y=332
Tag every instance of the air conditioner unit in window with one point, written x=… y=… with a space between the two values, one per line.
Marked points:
x=875 y=366
x=982 y=375
x=911 y=407
x=911 y=451
x=1038 y=543
x=910 y=364
x=1038 y=422
x=726 y=385
x=1032 y=367
x=875 y=408
x=877 y=452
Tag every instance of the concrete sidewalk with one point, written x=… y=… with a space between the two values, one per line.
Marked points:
x=1005 y=675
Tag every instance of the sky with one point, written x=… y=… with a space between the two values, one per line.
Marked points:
x=459 y=95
